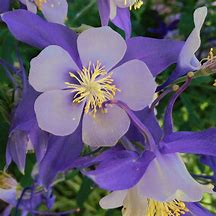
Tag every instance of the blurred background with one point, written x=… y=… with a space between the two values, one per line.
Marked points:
x=194 y=110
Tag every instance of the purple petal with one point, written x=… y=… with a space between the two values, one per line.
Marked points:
x=56 y=113
x=101 y=44
x=55 y=10
x=17 y=147
x=158 y=54
x=121 y=172
x=4 y=5
x=104 y=11
x=105 y=129
x=131 y=74
x=197 y=209
x=60 y=155
x=32 y=29
x=39 y=141
x=203 y=142
x=147 y=116
x=122 y=20
x=50 y=69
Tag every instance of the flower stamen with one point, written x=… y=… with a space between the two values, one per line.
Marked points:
x=173 y=208
x=95 y=86
x=136 y=5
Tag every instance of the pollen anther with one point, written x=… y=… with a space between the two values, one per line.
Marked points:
x=173 y=208
x=95 y=86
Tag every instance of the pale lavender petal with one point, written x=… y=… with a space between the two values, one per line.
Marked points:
x=169 y=180
x=31 y=6
x=113 y=9
x=136 y=83
x=105 y=129
x=192 y=44
x=50 y=69
x=101 y=44
x=113 y=200
x=16 y=148
x=56 y=113
x=55 y=11
x=187 y=60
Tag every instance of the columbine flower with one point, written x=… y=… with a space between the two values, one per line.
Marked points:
x=53 y=10
x=67 y=90
x=118 y=12
x=164 y=184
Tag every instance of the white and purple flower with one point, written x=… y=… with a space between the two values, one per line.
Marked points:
x=68 y=90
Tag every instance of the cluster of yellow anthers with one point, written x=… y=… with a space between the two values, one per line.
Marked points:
x=136 y=5
x=40 y=3
x=95 y=86
x=173 y=208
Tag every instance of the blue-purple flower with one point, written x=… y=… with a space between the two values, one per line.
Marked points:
x=53 y=10
x=68 y=90
x=164 y=180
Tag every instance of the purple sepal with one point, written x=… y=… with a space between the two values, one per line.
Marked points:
x=121 y=171
x=60 y=155
x=104 y=11
x=158 y=54
x=4 y=5
x=122 y=20
x=25 y=133
x=197 y=209
x=33 y=30
x=203 y=142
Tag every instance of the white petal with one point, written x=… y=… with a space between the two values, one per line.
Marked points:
x=192 y=44
x=113 y=200
x=167 y=179
x=134 y=204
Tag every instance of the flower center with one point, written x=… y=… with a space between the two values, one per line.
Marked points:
x=136 y=5
x=40 y=3
x=95 y=86
x=173 y=208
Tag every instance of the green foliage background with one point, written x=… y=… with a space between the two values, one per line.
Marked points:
x=194 y=110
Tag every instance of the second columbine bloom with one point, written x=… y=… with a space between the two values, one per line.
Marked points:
x=71 y=92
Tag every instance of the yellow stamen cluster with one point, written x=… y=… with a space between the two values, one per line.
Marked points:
x=136 y=5
x=173 y=208
x=95 y=86
x=40 y=3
